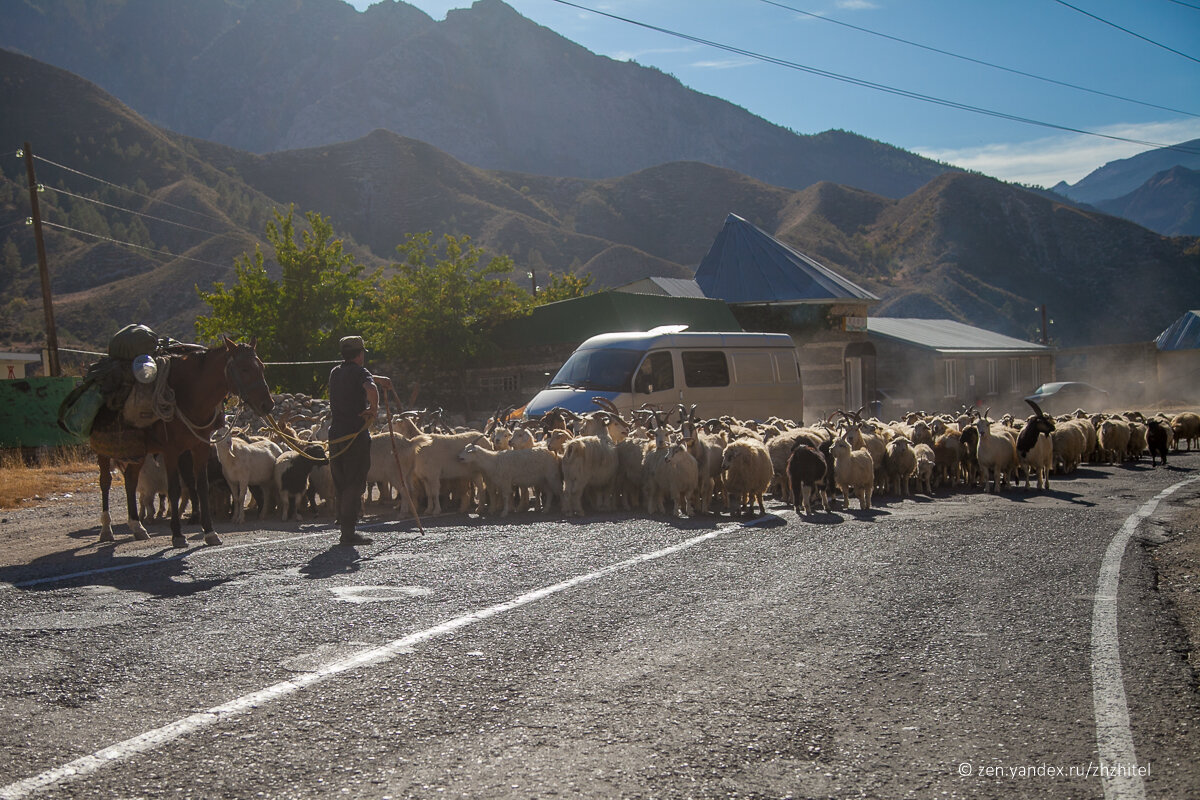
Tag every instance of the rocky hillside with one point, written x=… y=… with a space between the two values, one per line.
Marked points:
x=485 y=85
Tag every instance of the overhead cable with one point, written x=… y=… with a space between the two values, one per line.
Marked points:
x=167 y=253
x=977 y=60
x=131 y=211
x=877 y=86
x=1126 y=30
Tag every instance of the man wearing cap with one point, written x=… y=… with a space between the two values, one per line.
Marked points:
x=353 y=404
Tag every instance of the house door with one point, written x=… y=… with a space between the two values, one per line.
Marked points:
x=854 y=383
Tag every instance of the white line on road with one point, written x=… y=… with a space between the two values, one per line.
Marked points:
x=150 y=740
x=1119 y=773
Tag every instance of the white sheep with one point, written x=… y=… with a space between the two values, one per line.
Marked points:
x=589 y=464
x=247 y=464
x=674 y=477
x=926 y=463
x=997 y=454
x=505 y=470
x=435 y=460
x=747 y=473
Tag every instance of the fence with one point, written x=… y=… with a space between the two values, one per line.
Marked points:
x=29 y=412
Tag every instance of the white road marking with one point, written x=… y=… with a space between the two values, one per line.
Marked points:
x=158 y=737
x=1114 y=738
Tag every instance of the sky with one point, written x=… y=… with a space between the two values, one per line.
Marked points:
x=1136 y=63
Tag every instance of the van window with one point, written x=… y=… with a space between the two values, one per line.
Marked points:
x=789 y=370
x=753 y=368
x=656 y=374
x=607 y=370
x=705 y=368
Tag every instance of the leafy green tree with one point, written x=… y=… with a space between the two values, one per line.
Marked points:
x=563 y=286
x=437 y=311
x=321 y=294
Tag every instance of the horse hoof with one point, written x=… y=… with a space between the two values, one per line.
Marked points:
x=140 y=534
x=107 y=536
x=179 y=541
x=212 y=538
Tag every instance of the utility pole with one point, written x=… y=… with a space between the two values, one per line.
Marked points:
x=1045 y=327
x=47 y=299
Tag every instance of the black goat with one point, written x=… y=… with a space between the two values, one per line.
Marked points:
x=291 y=473
x=1158 y=437
x=806 y=471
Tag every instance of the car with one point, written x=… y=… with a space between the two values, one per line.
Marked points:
x=1062 y=397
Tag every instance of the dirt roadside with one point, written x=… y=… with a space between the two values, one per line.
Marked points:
x=59 y=533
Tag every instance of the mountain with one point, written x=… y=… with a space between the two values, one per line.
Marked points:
x=485 y=85
x=1168 y=202
x=1119 y=178
x=963 y=246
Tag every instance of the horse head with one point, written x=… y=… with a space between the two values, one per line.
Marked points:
x=244 y=374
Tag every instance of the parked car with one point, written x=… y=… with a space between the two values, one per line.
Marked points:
x=1062 y=397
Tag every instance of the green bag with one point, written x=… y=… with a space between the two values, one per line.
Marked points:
x=78 y=409
x=132 y=341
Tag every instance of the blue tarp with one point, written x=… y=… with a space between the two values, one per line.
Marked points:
x=748 y=265
x=1184 y=333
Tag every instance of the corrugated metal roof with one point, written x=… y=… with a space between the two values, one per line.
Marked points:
x=1183 y=334
x=948 y=336
x=748 y=265
x=671 y=287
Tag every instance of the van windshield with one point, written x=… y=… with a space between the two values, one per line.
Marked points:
x=605 y=370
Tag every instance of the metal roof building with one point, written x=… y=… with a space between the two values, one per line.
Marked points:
x=1183 y=333
x=949 y=337
x=747 y=265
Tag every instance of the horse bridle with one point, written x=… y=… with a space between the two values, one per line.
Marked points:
x=233 y=378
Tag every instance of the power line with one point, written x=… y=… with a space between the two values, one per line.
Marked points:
x=130 y=211
x=977 y=60
x=1126 y=30
x=131 y=244
x=127 y=189
x=876 y=86
x=1185 y=5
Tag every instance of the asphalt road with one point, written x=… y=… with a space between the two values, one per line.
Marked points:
x=945 y=648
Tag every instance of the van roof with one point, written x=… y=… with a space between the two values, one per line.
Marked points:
x=673 y=336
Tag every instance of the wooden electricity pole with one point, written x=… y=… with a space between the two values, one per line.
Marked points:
x=47 y=299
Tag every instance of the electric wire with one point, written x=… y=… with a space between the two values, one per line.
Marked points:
x=981 y=62
x=1126 y=30
x=131 y=211
x=167 y=253
x=1185 y=5
x=877 y=86
x=127 y=189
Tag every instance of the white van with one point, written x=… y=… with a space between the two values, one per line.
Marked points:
x=745 y=375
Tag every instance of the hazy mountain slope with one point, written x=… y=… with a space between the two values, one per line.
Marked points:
x=1168 y=203
x=485 y=85
x=1119 y=178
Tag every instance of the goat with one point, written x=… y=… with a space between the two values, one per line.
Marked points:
x=292 y=472
x=435 y=460
x=747 y=472
x=589 y=464
x=245 y=464
x=926 y=463
x=1186 y=427
x=1035 y=448
x=505 y=469
x=899 y=465
x=997 y=454
x=806 y=477
x=674 y=477
x=1158 y=440
x=853 y=470
x=1113 y=436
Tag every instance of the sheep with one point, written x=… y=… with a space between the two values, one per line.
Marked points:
x=1035 y=448
x=505 y=469
x=1186 y=427
x=151 y=484
x=1068 y=442
x=674 y=476
x=780 y=446
x=1158 y=440
x=853 y=470
x=245 y=464
x=806 y=477
x=747 y=472
x=1137 y=441
x=926 y=464
x=1113 y=436
x=948 y=454
x=997 y=454
x=292 y=470
x=435 y=460
x=899 y=465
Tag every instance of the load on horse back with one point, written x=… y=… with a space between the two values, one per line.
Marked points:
x=174 y=412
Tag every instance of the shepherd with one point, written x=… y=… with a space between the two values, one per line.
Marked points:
x=353 y=404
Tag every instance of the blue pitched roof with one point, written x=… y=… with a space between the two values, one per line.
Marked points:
x=1184 y=333
x=748 y=265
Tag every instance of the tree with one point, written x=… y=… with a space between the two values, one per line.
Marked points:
x=437 y=313
x=563 y=286
x=320 y=296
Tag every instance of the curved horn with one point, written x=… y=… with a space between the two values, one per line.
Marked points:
x=1035 y=408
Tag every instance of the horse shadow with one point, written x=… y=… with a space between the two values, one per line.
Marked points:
x=163 y=574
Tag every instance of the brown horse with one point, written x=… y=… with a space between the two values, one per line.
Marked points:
x=201 y=380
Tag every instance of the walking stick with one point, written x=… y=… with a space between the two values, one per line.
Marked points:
x=396 y=455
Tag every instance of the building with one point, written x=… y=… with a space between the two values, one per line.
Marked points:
x=1177 y=362
x=14 y=366
x=937 y=365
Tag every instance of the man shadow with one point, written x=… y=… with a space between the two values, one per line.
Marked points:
x=337 y=560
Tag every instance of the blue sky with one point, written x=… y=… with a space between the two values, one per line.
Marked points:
x=1046 y=38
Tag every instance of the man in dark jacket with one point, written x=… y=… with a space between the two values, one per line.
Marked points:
x=353 y=403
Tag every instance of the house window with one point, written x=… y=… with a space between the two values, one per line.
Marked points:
x=1014 y=374
x=498 y=383
x=951 y=379
x=993 y=376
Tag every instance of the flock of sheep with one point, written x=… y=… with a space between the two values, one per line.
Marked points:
x=674 y=463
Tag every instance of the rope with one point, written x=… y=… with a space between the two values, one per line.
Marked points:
x=396 y=455
x=297 y=444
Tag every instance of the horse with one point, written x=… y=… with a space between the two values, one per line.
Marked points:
x=201 y=378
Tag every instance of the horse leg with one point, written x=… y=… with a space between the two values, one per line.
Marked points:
x=173 y=489
x=106 y=534
x=131 y=473
x=199 y=484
